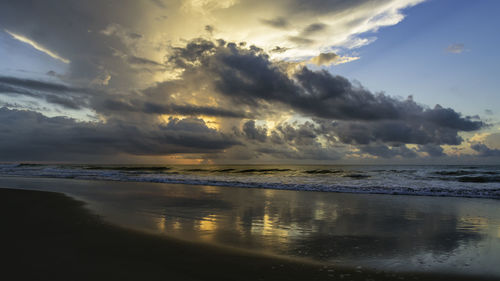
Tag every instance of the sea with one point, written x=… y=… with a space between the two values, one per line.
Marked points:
x=474 y=181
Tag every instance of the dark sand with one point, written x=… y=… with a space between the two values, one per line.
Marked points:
x=49 y=236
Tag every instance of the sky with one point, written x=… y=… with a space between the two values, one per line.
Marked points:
x=239 y=81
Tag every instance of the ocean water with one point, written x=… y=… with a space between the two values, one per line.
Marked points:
x=430 y=180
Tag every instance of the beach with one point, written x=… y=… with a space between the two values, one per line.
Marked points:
x=146 y=231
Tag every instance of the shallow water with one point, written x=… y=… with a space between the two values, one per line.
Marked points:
x=397 y=233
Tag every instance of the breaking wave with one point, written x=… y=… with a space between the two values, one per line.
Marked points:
x=456 y=181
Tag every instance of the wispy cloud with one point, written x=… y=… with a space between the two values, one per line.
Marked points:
x=456 y=48
x=37 y=46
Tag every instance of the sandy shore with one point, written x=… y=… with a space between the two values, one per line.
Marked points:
x=49 y=236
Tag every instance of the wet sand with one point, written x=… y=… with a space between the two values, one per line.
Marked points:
x=49 y=236
x=222 y=233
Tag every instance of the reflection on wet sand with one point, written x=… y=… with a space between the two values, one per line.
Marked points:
x=382 y=231
x=418 y=232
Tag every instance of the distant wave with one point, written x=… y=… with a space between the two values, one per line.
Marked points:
x=464 y=172
x=479 y=179
x=262 y=170
x=477 y=182
x=323 y=171
x=128 y=168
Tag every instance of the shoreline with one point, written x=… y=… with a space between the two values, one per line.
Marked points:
x=52 y=236
x=339 y=189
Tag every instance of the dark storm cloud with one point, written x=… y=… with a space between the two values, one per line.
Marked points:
x=249 y=76
x=59 y=94
x=113 y=106
x=485 y=151
x=9 y=90
x=285 y=142
x=384 y=151
x=432 y=150
x=303 y=134
x=191 y=110
x=64 y=102
x=416 y=131
x=31 y=136
x=449 y=118
x=143 y=61
x=354 y=114
x=335 y=97
x=39 y=85
x=62 y=95
x=298 y=141
x=303 y=153
x=30 y=105
x=278 y=22
x=254 y=133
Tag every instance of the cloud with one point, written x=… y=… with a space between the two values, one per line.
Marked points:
x=301 y=41
x=159 y=4
x=313 y=28
x=110 y=107
x=279 y=49
x=52 y=73
x=64 y=28
x=209 y=28
x=389 y=152
x=324 y=59
x=64 y=102
x=278 y=22
x=249 y=76
x=456 y=48
x=240 y=88
x=485 y=151
x=254 y=133
x=354 y=114
x=432 y=150
x=38 y=85
x=244 y=96
x=26 y=135
x=134 y=35
x=297 y=142
x=91 y=38
x=37 y=46
x=54 y=93
x=327 y=59
x=143 y=61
